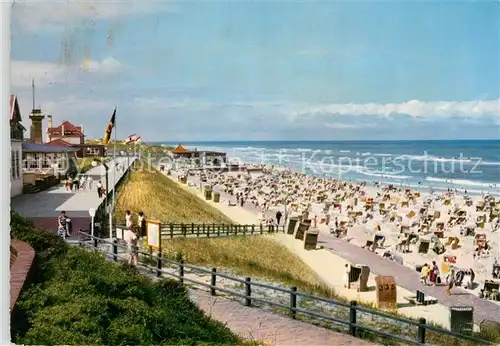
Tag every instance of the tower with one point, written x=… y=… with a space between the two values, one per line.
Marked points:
x=36 y=117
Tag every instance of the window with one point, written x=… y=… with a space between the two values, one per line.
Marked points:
x=92 y=151
x=18 y=168
x=13 y=165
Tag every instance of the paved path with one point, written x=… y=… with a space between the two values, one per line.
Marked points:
x=44 y=207
x=268 y=327
x=410 y=279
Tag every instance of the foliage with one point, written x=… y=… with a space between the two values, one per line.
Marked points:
x=85 y=163
x=83 y=299
x=151 y=192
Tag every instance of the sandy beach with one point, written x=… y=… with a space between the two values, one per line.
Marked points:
x=396 y=221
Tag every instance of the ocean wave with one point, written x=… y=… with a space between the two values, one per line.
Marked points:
x=461 y=182
x=344 y=151
x=386 y=176
x=440 y=159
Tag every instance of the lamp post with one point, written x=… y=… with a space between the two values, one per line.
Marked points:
x=95 y=163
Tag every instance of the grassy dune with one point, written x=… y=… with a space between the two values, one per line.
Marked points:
x=160 y=198
x=255 y=256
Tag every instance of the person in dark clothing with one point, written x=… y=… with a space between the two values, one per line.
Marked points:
x=142 y=224
x=278 y=217
x=63 y=225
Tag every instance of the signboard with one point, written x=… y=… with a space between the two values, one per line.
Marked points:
x=92 y=212
x=119 y=233
x=153 y=234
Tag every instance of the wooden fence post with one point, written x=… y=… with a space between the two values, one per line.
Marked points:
x=171 y=230
x=248 y=291
x=213 y=281
x=421 y=330
x=158 y=265
x=253 y=229
x=352 y=318
x=181 y=272
x=293 y=302
x=115 y=250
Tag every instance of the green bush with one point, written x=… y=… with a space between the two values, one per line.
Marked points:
x=81 y=298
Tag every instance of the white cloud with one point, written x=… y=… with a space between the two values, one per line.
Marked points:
x=47 y=74
x=56 y=15
x=297 y=110
x=413 y=108
x=342 y=126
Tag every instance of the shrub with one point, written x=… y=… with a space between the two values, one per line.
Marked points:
x=83 y=299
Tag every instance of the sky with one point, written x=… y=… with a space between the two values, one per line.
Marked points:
x=234 y=70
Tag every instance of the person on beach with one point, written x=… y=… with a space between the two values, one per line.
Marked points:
x=450 y=281
x=128 y=219
x=278 y=217
x=424 y=274
x=141 y=222
x=434 y=273
x=346 y=276
x=130 y=238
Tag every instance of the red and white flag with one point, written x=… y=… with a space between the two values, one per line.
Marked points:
x=131 y=139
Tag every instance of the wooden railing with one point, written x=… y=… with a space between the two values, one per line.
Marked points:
x=176 y=230
x=352 y=320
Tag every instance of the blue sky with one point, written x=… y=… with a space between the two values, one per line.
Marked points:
x=263 y=71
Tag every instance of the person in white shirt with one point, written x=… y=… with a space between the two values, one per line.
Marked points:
x=131 y=239
x=128 y=219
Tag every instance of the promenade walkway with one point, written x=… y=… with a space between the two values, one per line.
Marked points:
x=409 y=279
x=44 y=207
x=268 y=327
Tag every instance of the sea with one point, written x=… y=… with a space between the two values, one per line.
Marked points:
x=471 y=166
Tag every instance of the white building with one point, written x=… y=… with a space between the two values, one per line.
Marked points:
x=16 y=172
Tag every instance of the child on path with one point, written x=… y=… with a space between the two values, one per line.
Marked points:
x=424 y=274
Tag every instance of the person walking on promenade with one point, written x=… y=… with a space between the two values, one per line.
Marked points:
x=130 y=238
x=63 y=225
x=99 y=189
x=424 y=274
x=142 y=224
x=128 y=219
x=450 y=281
x=278 y=217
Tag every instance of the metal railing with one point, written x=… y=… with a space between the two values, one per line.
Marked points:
x=188 y=230
x=102 y=211
x=293 y=310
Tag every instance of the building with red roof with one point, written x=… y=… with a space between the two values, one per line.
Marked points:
x=66 y=131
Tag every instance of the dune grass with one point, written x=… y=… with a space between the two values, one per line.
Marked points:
x=151 y=192
x=248 y=256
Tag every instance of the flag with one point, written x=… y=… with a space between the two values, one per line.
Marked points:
x=131 y=139
x=109 y=129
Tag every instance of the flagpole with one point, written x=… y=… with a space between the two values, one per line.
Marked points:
x=114 y=181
